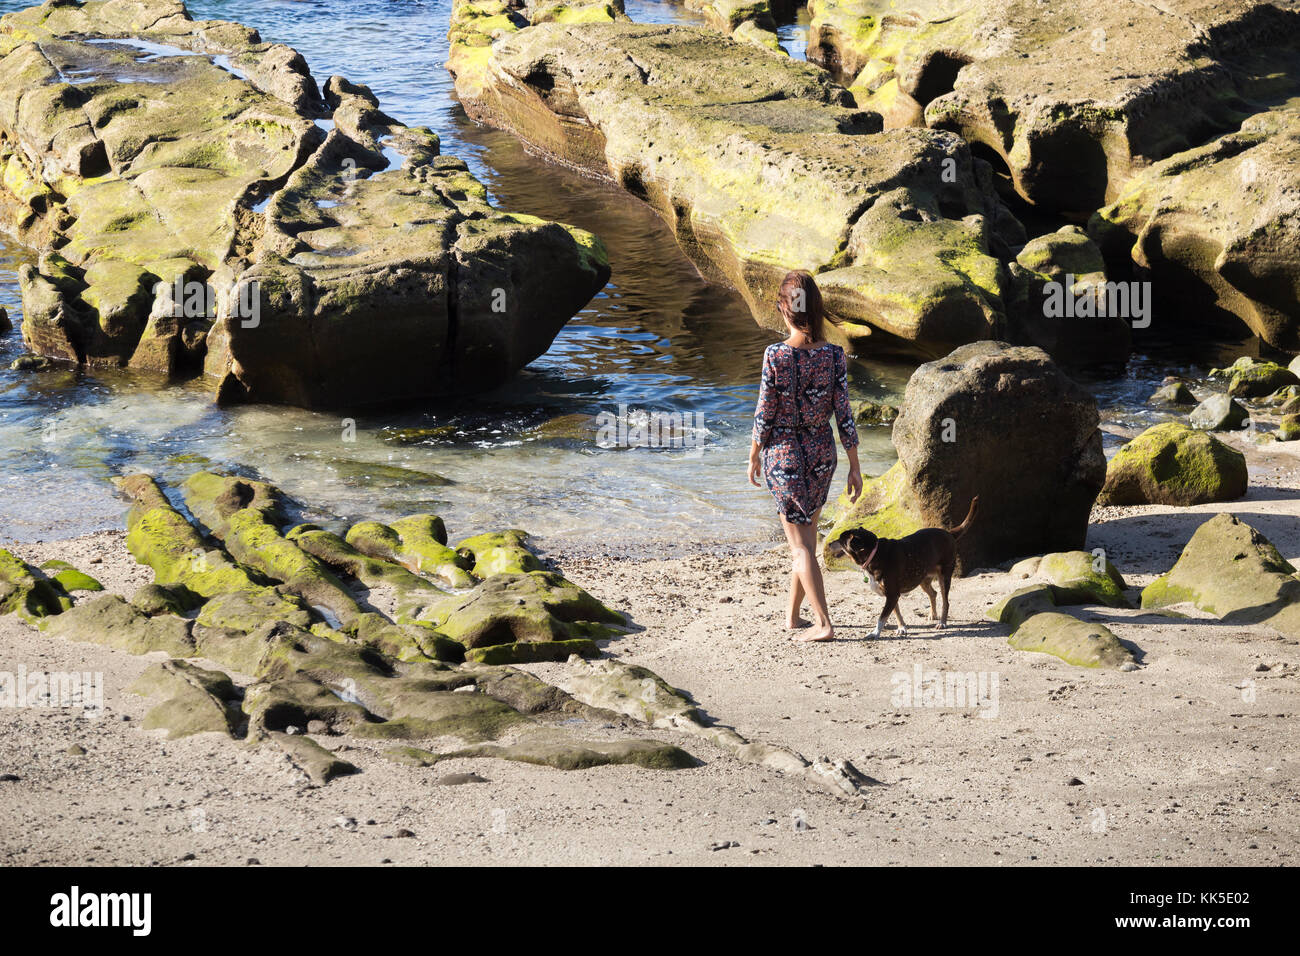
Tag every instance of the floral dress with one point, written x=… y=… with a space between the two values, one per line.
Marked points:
x=800 y=390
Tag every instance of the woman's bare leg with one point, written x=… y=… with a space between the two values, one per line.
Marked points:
x=792 y=618
x=803 y=553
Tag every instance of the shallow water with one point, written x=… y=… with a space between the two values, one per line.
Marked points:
x=658 y=337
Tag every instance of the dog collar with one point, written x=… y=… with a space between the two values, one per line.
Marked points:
x=871 y=555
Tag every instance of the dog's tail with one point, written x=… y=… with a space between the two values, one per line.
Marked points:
x=960 y=530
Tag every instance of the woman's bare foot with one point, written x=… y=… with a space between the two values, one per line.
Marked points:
x=826 y=633
x=793 y=624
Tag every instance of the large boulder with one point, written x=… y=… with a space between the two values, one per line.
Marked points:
x=1174 y=464
x=1001 y=422
x=1230 y=570
x=1074 y=100
x=759 y=164
x=202 y=205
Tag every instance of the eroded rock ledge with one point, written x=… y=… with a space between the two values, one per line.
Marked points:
x=351 y=262
x=760 y=167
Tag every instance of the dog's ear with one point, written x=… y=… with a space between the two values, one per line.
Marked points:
x=855 y=544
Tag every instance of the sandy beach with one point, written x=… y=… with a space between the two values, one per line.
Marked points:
x=1190 y=759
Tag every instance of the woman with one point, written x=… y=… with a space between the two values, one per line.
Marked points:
x=805 y=381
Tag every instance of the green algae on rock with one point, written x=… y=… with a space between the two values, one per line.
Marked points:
x=197 y=700
x=204 y=220
x=27 y=592
x=1173 y=464
x=758 y=168
x=1230 y=570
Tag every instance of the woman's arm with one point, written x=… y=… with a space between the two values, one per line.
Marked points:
x=844 y=421
x=764 y=416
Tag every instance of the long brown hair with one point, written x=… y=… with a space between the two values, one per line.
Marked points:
x=800 y=303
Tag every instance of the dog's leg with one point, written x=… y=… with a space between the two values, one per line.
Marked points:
x=945 y=581
x=891 y=604
x=928 y=588
x=898 y=613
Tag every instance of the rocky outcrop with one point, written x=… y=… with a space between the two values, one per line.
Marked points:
x=201 y=204
x=1074 y=100
x=1174 y=464
x=1000 y=422
x=758 y=168
x=1217 y=228
x=1230 y=570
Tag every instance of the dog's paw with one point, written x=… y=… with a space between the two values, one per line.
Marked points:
x=902 y=631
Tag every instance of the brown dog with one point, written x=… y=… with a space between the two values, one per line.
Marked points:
x=896 y=566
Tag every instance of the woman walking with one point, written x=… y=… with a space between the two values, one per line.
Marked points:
x=805 y=382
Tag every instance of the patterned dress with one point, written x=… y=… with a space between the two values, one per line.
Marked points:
x=800 y=390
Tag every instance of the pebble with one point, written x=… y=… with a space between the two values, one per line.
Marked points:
x=317 y=727
x=723 y=845
x=9 y=778
x=1074 y=782
x=76 y=750
x=1128 y=666
x=292 y=731
x=1262 y=667
x=465 y=689
x=254 y=861
x=347 y=823
x=404 y=834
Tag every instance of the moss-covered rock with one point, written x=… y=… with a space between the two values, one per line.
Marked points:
x=539 y=606
x=500 y=552
x=529 y=652
x=111 y=621
x=1288 y=428
x=246 y=515
x=1253 y=378
x=561 y=752
x=207 y=168
x=27 y=592
x=151 y=599
x=197 y=700
x=1037 y=625
x=310 y=758
x=1173 y=464
x=295 y=702
x=69 y=578
x=416 y=542
x=1078 y=574
x=1230 y=570
x=759 y=167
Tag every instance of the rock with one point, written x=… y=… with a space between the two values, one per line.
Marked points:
x=1061 y=302
x=246 y=515
x=5 y=324
x=111 y=621
x=76 y=750
x=416 y=542
x=874 y=413
x=26 y=591
x=1080 y=581
x=310 y=758
x=540 y=606
x=197 y=700
x=529 y=652
x=1219 y=413
x=31 y=363
x=1252 y=378
x=153 y=599
x=454 y=780
x=317 y=728
x=69 y=578
x=996 y=421
x=1075 y=103
x=1233 y=260
x=1288 y=428
x=1037 y=625
x=1175 y=393
x=549 y=749
x=500 y=552
x=290 y=703
x=1230 y=570
x=759 y=167
x=1172 y=464
x=204 y=220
